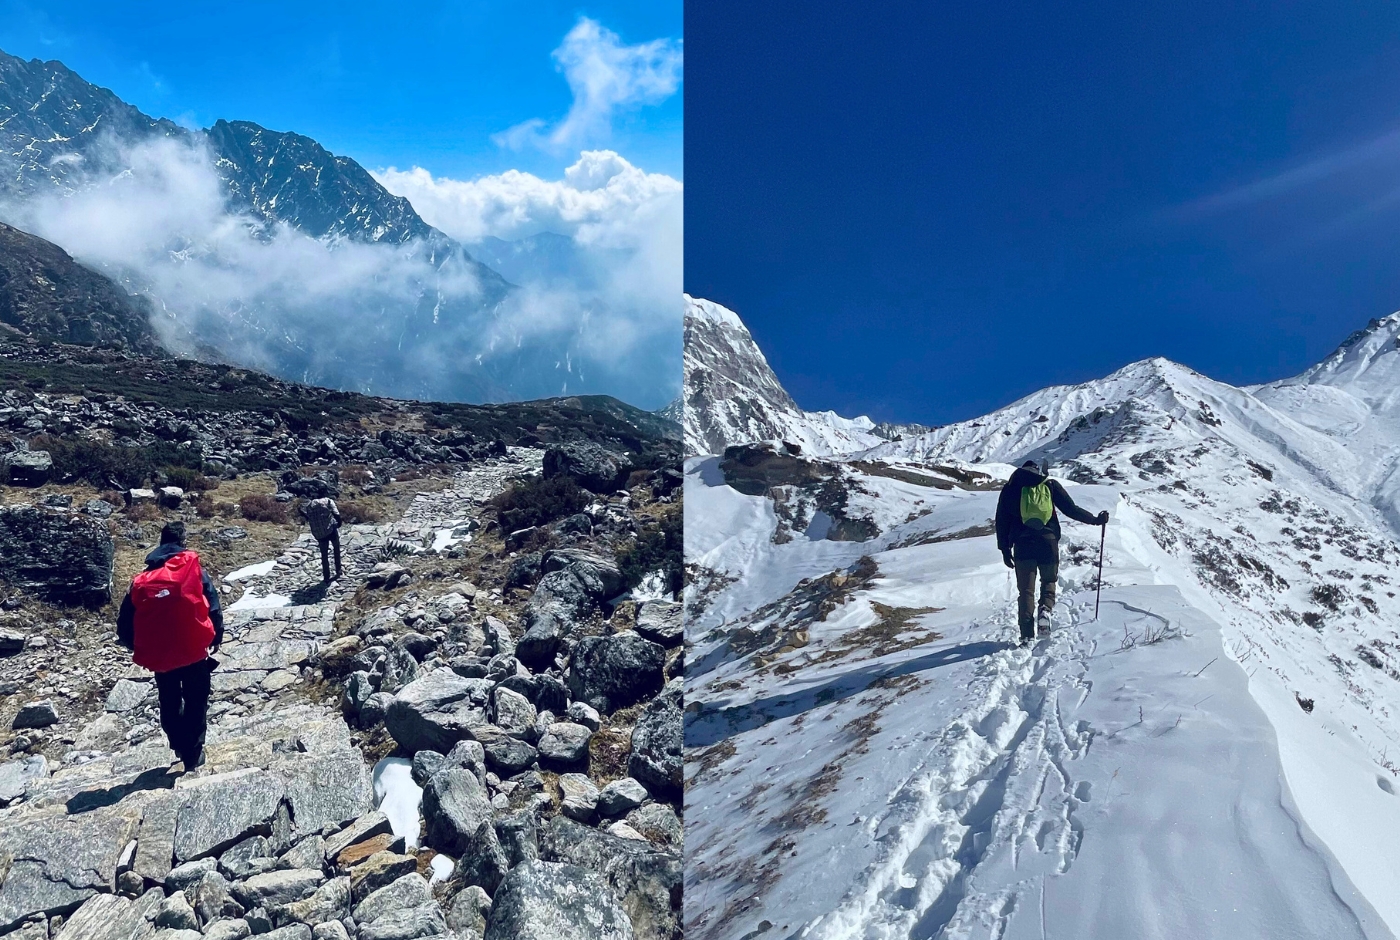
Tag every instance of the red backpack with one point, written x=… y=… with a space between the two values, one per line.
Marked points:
x=172 y=626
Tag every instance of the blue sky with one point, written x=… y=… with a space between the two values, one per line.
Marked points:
x=925 y=214
x=403 y=84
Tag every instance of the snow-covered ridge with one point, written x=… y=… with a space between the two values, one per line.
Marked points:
x=870 y=758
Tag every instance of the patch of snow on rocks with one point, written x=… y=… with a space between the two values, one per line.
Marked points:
x=398 y=797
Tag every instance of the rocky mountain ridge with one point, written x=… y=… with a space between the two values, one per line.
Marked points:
x=732 y=396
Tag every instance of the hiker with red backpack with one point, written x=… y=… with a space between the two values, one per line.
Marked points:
x=171 y=621
x=1028 y=535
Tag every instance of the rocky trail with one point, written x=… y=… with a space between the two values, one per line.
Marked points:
x=514 y=800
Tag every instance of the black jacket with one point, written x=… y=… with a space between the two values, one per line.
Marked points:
x=1042 y=545
x=126 y=618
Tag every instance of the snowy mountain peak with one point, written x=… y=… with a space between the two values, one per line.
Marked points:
x=733 y=397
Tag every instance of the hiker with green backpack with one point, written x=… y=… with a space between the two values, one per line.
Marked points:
x=1028 y=535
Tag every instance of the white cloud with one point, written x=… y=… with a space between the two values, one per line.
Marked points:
x=379 y=318
x=600 y=191
x=605 y=77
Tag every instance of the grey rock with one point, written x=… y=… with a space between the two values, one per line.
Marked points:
x=403 y=893
x=369 y=825
x=166 y=933
x=149 y=902
x=275 y=888
x=425 y=764
x=468 y=911
x=11 y=642
x=155 y=845
x=580 y=797
x=16 y=775
x=658 y=740
x=553 y=901
x=330 y=930
x=259 y=921
x=565 y=744
x=126 y=695
x=504 y=754
x=27 y=467
x=378 y=871
x=325 y=789
x=59 y=558
x=424 y=921
x=184 y=876
x=647 y=880
x=59 y=862
x=35 y=715
x=290 y=932
x=659 y=823
x=499 y=636
x=376 y=709
x=437 y=710
x=518 y=834
x=514 y=713
x=614 y=671
x=235 y=862
x=308 y=853
x=233 y=929
x=471 y=755
x=98 y=507
x=358 y=688
x=219 y=813
x=175 y=913
x=400 y=668
x=590 y=465
x=106 y=917
x=459 y=823
x=212 y=899
x=328 y=903
x=661 y=622
x=584 y=714
x=622 y=796
x=416 y=645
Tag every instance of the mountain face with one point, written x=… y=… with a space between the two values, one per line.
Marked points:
x=424 y=318
x=44 y=293
x=55 y=128
x=733 y=397
x=51 y=123
x=1248 y=606
x=285 y=177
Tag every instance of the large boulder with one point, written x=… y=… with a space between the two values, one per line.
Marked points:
x=658 y=739
x=106 y=917
x=575 y=582
x=27 y=467
x=218 y=814
x=590 y=465
x=612 y=672
x=600 y=577
x=436 y=710
x=57 y=863
x=661 y=622
x=552 y=901
x=646 y=880
x=457 y=812
x=504 y=754
x=59 y=558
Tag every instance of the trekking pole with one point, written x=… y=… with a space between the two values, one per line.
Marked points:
x=1098 y=591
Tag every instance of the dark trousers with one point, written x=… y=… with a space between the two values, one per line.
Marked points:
x=334 y=540
x=1026 y=571
x=184 y=707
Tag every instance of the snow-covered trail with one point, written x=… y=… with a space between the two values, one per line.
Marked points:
x=1095 y=785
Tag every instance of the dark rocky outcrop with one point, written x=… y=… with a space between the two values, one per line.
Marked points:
x=59 y=558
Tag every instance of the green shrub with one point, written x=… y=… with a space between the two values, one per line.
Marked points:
x=538 y=501
x=94 y=462
x=660 y=546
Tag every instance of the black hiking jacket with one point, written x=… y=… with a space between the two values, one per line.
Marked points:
x=126 y=617
x=1040 y=545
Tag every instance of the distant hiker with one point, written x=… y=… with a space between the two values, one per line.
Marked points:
x=324 y=516
x=1028 y=534
x=171 y=621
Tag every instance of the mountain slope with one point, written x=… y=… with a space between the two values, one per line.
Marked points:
x=861 y=699
x=44 y=293
x=733 y=397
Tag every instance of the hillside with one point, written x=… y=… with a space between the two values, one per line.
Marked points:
x=476 y=724
x=856 y=684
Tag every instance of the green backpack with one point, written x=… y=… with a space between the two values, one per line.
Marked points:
x=1037 y=505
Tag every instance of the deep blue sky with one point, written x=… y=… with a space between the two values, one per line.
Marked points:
x=403 y=83
x=925 y=210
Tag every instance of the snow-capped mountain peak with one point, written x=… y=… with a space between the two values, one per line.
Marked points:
x=732 y=395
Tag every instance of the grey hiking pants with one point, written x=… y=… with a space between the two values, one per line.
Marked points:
x=1026 y=571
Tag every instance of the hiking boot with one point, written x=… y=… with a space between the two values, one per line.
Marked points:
x=194 y=761
x=1042 y=623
